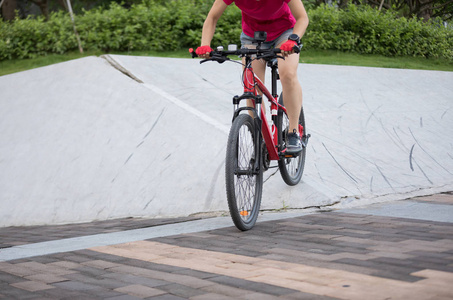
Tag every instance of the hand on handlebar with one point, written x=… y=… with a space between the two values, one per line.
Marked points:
x=289 y=47
x=203 y=51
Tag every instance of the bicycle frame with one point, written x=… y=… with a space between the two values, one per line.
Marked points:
x=251 y=83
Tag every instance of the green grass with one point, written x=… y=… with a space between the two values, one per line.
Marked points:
x=18 y=65
x=309 y=56
x=329 y=57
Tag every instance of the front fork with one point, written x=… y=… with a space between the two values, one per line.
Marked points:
x=256 y=111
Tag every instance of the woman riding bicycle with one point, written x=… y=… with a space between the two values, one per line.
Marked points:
x=285 y=22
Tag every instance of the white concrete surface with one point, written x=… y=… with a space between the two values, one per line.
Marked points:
x=81 y=141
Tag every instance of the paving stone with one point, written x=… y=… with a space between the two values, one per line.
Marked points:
x=181 y=290
x=77 y=258
x=18 y=270
x=127 y=279
x=140 y=291
x=127 y=297
x=153 y=266
x=32 y=286
x=100 y=264
x=102 y=282
x=211 y=296
x=401 y=272
x=306 y=296
x=195 y=273
x=226 y=290
x=46 y=278
x=63 y=264
x=260 y=296
x=63 y=294
x=11 y=292
x=9 y=278
x=76 y=286
x=90 y=271
x=113 y=258
x=252 y=286
x=167 y=297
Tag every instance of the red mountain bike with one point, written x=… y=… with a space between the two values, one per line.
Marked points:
x=252 y=141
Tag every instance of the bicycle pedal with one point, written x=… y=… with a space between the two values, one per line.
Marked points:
x=305 y=140
x=284 y=155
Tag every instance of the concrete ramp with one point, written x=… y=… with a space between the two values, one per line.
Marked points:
x=82 y=141
x=377 y=134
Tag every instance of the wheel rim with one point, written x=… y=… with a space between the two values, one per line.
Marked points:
x=292 y=165
x=245 y=183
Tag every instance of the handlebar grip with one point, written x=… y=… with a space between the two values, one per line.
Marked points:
x=192 y=52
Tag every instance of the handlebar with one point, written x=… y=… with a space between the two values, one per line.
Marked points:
x=222 y=55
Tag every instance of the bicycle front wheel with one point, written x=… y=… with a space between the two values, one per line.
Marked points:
x=291 y=168
x=244 y=182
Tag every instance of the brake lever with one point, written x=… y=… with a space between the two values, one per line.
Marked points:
x=270 y=55
x=216 y=57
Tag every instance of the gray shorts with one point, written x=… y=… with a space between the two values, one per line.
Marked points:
x=247 y=41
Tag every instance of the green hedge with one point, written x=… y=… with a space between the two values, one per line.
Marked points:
x=32 y=37
x=176 y=24
x=151 y=25
x=363 y=29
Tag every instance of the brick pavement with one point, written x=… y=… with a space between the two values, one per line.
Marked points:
x=329 y=255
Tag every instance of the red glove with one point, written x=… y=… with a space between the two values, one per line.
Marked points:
x=203 y=50
x=287 y=46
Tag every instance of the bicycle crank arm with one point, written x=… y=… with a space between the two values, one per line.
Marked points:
x=245 y=172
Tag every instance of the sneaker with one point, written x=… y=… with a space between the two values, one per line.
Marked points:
x=293 y=143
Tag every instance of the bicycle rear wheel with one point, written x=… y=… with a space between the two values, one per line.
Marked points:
x=291 y=168
x=244 y=184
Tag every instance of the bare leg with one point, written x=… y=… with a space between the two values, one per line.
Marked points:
x=292 y=90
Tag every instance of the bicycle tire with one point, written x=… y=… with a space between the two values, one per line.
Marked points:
x=243 y=190
x=291 y=168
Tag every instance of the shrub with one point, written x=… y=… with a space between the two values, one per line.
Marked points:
x=363 y=29
x=175 y=24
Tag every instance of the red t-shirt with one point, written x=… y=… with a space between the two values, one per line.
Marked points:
x=272 y=16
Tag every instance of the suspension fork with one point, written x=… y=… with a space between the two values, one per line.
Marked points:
x=250 y=87
x=258 y=138
x=258 y=141
x=251 y=94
